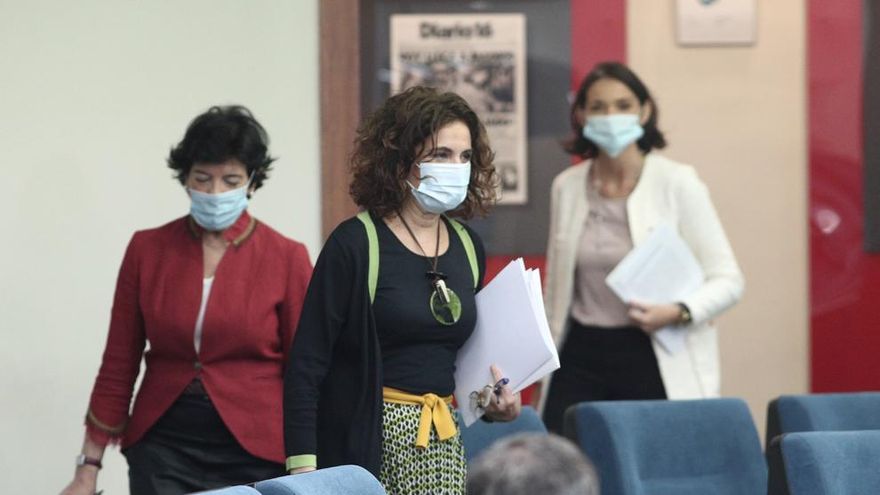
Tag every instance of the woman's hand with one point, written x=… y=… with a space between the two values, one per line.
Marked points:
x=505 y=405
x=84 y=482
x=652 y=317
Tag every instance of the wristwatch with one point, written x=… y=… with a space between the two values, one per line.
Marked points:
x=684 y=315
x=84 y=460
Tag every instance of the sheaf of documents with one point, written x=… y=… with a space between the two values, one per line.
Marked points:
x=660 y=270
x=511 y=332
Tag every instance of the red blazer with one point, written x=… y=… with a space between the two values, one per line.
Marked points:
x=249 y=324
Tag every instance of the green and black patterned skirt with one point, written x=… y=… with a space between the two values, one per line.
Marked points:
x=439 y=469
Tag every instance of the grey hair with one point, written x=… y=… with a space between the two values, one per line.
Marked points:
x=532 y=463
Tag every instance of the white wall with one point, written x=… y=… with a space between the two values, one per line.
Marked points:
x=92 y=95
x=739 y=116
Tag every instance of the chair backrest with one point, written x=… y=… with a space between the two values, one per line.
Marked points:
x=823 y=412
x=339 y=480
x=481 y=435
x=678 y=447
x=231 y=490
x=832 y=462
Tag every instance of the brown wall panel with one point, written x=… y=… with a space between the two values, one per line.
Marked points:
x=340 y=105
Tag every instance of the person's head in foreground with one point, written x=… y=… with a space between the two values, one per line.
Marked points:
x=532 y=464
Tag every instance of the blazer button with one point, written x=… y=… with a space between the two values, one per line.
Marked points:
x=197 y=365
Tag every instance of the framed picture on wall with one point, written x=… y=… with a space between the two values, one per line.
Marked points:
x=716 y=22
x=481 y=57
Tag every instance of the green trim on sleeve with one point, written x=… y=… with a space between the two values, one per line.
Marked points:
x=373 y=243
x=301 y=461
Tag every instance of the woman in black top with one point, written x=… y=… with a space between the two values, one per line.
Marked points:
x=374 y=353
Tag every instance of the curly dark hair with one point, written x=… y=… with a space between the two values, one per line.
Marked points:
x=389 y=142
x=578 y=145
x=220 y=134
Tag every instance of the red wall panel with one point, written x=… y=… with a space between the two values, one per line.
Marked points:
x=844 y=280
x=598 y=33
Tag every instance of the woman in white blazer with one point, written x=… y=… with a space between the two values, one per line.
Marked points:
x=600 y=209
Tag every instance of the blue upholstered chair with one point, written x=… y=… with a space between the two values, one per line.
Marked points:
x=339 y=480
x=832 y=462
x=823 y=412
x=231 y=490
x=670 y=447
x=480 y=435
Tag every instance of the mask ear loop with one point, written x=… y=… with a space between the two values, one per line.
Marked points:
x=249 y=183
x=424 y=177
x=421 y=178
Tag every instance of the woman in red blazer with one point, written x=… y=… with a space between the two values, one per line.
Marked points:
x=215 y=297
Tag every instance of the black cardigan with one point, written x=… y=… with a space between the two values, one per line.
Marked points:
x=335 y=362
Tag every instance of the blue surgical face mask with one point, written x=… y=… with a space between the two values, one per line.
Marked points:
x=217 y=212
x=613 y=133
x=442 y=186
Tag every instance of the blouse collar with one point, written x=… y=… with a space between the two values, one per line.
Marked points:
x=235 y=234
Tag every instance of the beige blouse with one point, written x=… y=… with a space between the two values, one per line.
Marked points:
x=605 y=240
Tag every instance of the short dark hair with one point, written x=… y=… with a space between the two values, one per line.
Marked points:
x=578 y=145
x=532 y=463
x=390 y=140
x=220 y=134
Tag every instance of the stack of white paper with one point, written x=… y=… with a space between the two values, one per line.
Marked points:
x=660 y=270
x=511 y=332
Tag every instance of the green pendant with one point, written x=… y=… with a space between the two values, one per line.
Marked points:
x=446 y=313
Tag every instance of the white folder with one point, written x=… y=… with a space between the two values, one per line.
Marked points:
x=511 y=332
x=660 y=270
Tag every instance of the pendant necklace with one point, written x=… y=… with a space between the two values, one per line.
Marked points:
x=444 y=302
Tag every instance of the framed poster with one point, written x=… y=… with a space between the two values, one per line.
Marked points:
x=716 y=22
x=481 y=57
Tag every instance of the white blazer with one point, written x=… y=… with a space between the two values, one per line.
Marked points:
x=667 y=192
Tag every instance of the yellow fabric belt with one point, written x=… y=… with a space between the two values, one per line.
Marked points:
x=435 y=410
